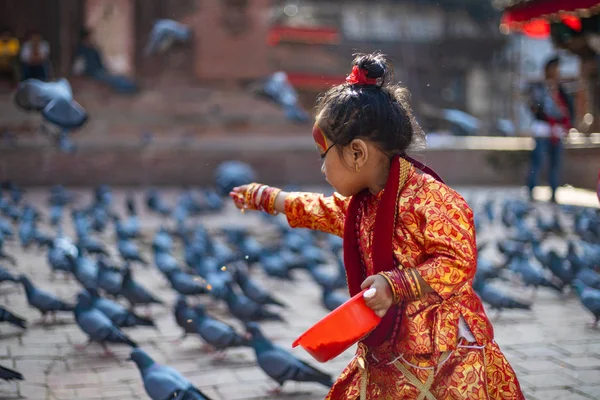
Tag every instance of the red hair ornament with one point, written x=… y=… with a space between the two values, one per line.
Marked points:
x=358 y=76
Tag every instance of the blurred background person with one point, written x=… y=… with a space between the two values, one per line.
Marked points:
x=89 y=62
x=552 y=109
x=35 y=57
x=9 y=53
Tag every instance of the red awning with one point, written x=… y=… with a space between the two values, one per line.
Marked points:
x=533 y=18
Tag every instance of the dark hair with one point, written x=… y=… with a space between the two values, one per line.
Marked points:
x=380 y=112
x=84 y=33
x=554 y=61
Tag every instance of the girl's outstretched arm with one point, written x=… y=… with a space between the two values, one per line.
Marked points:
x=302 y=209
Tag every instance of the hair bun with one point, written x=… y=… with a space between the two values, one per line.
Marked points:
x=375 y=66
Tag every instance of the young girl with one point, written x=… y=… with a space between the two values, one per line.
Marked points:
x=407 y=235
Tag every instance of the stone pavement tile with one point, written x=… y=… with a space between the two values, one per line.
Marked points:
x=536 y=365
x=34 y=370
x=559 y=394
x=73 y=379
x=113 y=376
x=548 y=380
x=593 y=391
x=583 y=362
x=31 y=391
x=536 y=351
x=588 y=377
x=579 y=349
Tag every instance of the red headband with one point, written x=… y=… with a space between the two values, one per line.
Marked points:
x=319 y=138
x=359 y=76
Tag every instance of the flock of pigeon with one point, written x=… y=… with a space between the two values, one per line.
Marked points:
x=216 y=266
x=557 y=248
x=219 y=265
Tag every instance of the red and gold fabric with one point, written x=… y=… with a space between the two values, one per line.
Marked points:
x=433 y=235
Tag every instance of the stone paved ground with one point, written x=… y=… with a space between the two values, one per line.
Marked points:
x=555 y=355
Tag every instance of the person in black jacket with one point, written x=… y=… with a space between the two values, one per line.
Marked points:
x=552 y=108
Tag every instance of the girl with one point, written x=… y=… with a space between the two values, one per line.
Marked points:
x=408 y=236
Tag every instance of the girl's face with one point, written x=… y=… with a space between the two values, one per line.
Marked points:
x=338 y=173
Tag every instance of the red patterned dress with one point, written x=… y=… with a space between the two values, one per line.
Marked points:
x=443 y=346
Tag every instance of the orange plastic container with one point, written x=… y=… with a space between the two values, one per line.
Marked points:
x=339 y=329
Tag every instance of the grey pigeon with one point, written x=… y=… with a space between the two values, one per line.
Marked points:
x=156 y=204
x=130 y=252
x=332 y=300
x=9 y=374
x=97 y=326
x=135 y=293
x=6 y=276
x=62 y=256
x=163 y=382
x=186 y=284
x=44 y=301
x=119 y=315
x=7 y=316
x=496 y=299
x=280 y=364
x=164 y=33
x=230 y=174
x=216 y=333
x=165 y=262
x=86 y=271
x=252 y=289
x=247 y=310
x=162 y=241
x=6 y=228
x=110 y=278
x=590 y=298
x=91 y=245
x=184 y=316
x=53 y=99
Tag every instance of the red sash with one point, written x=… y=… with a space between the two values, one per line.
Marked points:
x=382 y=250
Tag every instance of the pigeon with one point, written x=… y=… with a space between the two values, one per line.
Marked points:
x=165 y=262
x=110 y=278
x=163 y=382
x=164 y=33
x=118 y=314
x=91 y=245
x=86 y=271
x=496 y=299
x=560 y=267
x=184 y=316
x=59 y=196
x=186 y=284
x=162 y=241
x=53 y=99
x=531 y=275
x=278 y=89
x=332 y=300
x=6 y=228
x=216 y=333
x=56 y=214
x=130 y=252
x=62 y=256
x=279 y=364
x=7 y=316
x=155 y=203
x=590 y=298
x=136 y=294
x=125 y=231
x=247 y=310
x=253 y=290
x=97 y=326
x=6 y=276
x=44 y=301
x=230 y=174
x=9 y=374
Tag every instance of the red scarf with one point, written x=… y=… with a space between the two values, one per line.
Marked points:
x=382 y=250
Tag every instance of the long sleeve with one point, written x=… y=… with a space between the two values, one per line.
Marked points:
x=444 y=228
x=316 y=211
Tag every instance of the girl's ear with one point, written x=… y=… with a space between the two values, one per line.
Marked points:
x=359 y=152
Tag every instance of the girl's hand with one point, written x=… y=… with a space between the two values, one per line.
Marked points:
x=383 y=298
x=238 y=195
